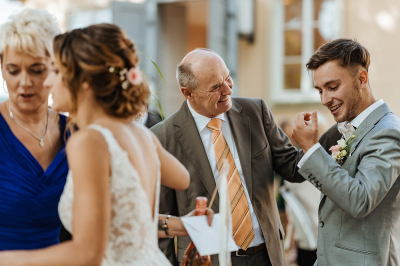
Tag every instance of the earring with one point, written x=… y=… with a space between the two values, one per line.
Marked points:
x=4 y=87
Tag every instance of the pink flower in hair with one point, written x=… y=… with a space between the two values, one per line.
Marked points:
x=134 y=76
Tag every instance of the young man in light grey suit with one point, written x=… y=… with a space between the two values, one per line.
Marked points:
x=258 y=147
x=359 y=212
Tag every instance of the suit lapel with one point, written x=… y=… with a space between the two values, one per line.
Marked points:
x=368 y=124
x=241 y=132
x=188 y=137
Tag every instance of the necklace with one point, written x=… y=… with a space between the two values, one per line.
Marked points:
x=41 y=143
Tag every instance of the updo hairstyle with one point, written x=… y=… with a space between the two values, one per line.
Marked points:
x=30 y=32
x=87 y=54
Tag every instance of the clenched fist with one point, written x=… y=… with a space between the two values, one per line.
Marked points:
x=303 y=134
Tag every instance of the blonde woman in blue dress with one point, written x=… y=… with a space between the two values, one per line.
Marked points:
x=110 y=200
x=33 y=164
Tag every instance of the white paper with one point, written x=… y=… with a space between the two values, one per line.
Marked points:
x=206 y=238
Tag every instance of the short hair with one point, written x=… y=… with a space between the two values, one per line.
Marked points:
x=348 y=53
x=206 y=49
x=30 y=32
x=185 y=76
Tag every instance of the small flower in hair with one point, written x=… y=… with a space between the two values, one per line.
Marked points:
x=125 y=85
x=134 y=76
x=123 y=71
x=122 y=74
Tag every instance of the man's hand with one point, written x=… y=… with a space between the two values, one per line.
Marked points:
x=303 y=134
x=210 y=215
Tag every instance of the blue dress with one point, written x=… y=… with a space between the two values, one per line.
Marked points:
x=29 y=196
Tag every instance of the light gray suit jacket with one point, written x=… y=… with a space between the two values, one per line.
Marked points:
x=262 y=148
x=359 y=212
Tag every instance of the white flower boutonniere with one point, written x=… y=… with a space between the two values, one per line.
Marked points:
x=341 y=151
x=346 y=129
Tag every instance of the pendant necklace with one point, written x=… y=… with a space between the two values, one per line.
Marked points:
x=41 y=143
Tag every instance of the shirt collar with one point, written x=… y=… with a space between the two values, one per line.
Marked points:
x=356 y=122
x=201 y=120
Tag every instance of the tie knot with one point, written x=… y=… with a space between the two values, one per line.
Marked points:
x=215 y=124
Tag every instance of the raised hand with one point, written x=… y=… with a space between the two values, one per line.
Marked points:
x=303 y=134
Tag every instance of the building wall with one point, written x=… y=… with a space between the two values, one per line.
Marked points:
x=373 y=23
x=376 y=24
x=172 y=28
x=255 y=67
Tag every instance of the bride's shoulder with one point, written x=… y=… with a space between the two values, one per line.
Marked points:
x=144 y=131
x=86 y=141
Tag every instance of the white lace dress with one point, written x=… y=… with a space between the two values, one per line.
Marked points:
x=133 y=231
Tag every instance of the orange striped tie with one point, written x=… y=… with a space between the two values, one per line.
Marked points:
x=242 y=228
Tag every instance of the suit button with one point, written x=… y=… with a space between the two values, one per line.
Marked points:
x=321 y=224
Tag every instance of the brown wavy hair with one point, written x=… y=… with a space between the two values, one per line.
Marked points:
x=86 y=55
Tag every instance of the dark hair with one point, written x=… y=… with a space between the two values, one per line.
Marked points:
x=86 y=55
x=346 y=52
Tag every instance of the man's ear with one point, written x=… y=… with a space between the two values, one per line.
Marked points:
x=187 y=92
x=363 y=78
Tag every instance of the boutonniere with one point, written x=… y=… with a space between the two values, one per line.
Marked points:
x=341 y=151
x=346 y=129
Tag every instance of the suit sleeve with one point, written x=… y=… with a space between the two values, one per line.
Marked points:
x=284 y=155
x=376 y=172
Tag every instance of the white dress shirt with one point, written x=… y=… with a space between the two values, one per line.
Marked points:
x=206 y=136
x=356 y=122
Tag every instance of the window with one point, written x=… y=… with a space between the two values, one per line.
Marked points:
x=301 y=26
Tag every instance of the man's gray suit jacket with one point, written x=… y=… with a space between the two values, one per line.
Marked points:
x=262 y=147
x=359 y=212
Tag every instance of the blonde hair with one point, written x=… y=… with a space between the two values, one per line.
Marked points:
x=30 y=32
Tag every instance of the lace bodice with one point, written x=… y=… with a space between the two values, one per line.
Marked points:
x=133 y=231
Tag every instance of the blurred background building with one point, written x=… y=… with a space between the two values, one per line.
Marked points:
x=265 y=43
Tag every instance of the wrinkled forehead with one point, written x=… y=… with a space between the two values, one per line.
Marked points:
x=210 y=70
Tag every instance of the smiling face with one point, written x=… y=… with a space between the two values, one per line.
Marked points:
x=24 y=76
x=341 y=91
x=62 y=100
x=213 y=94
